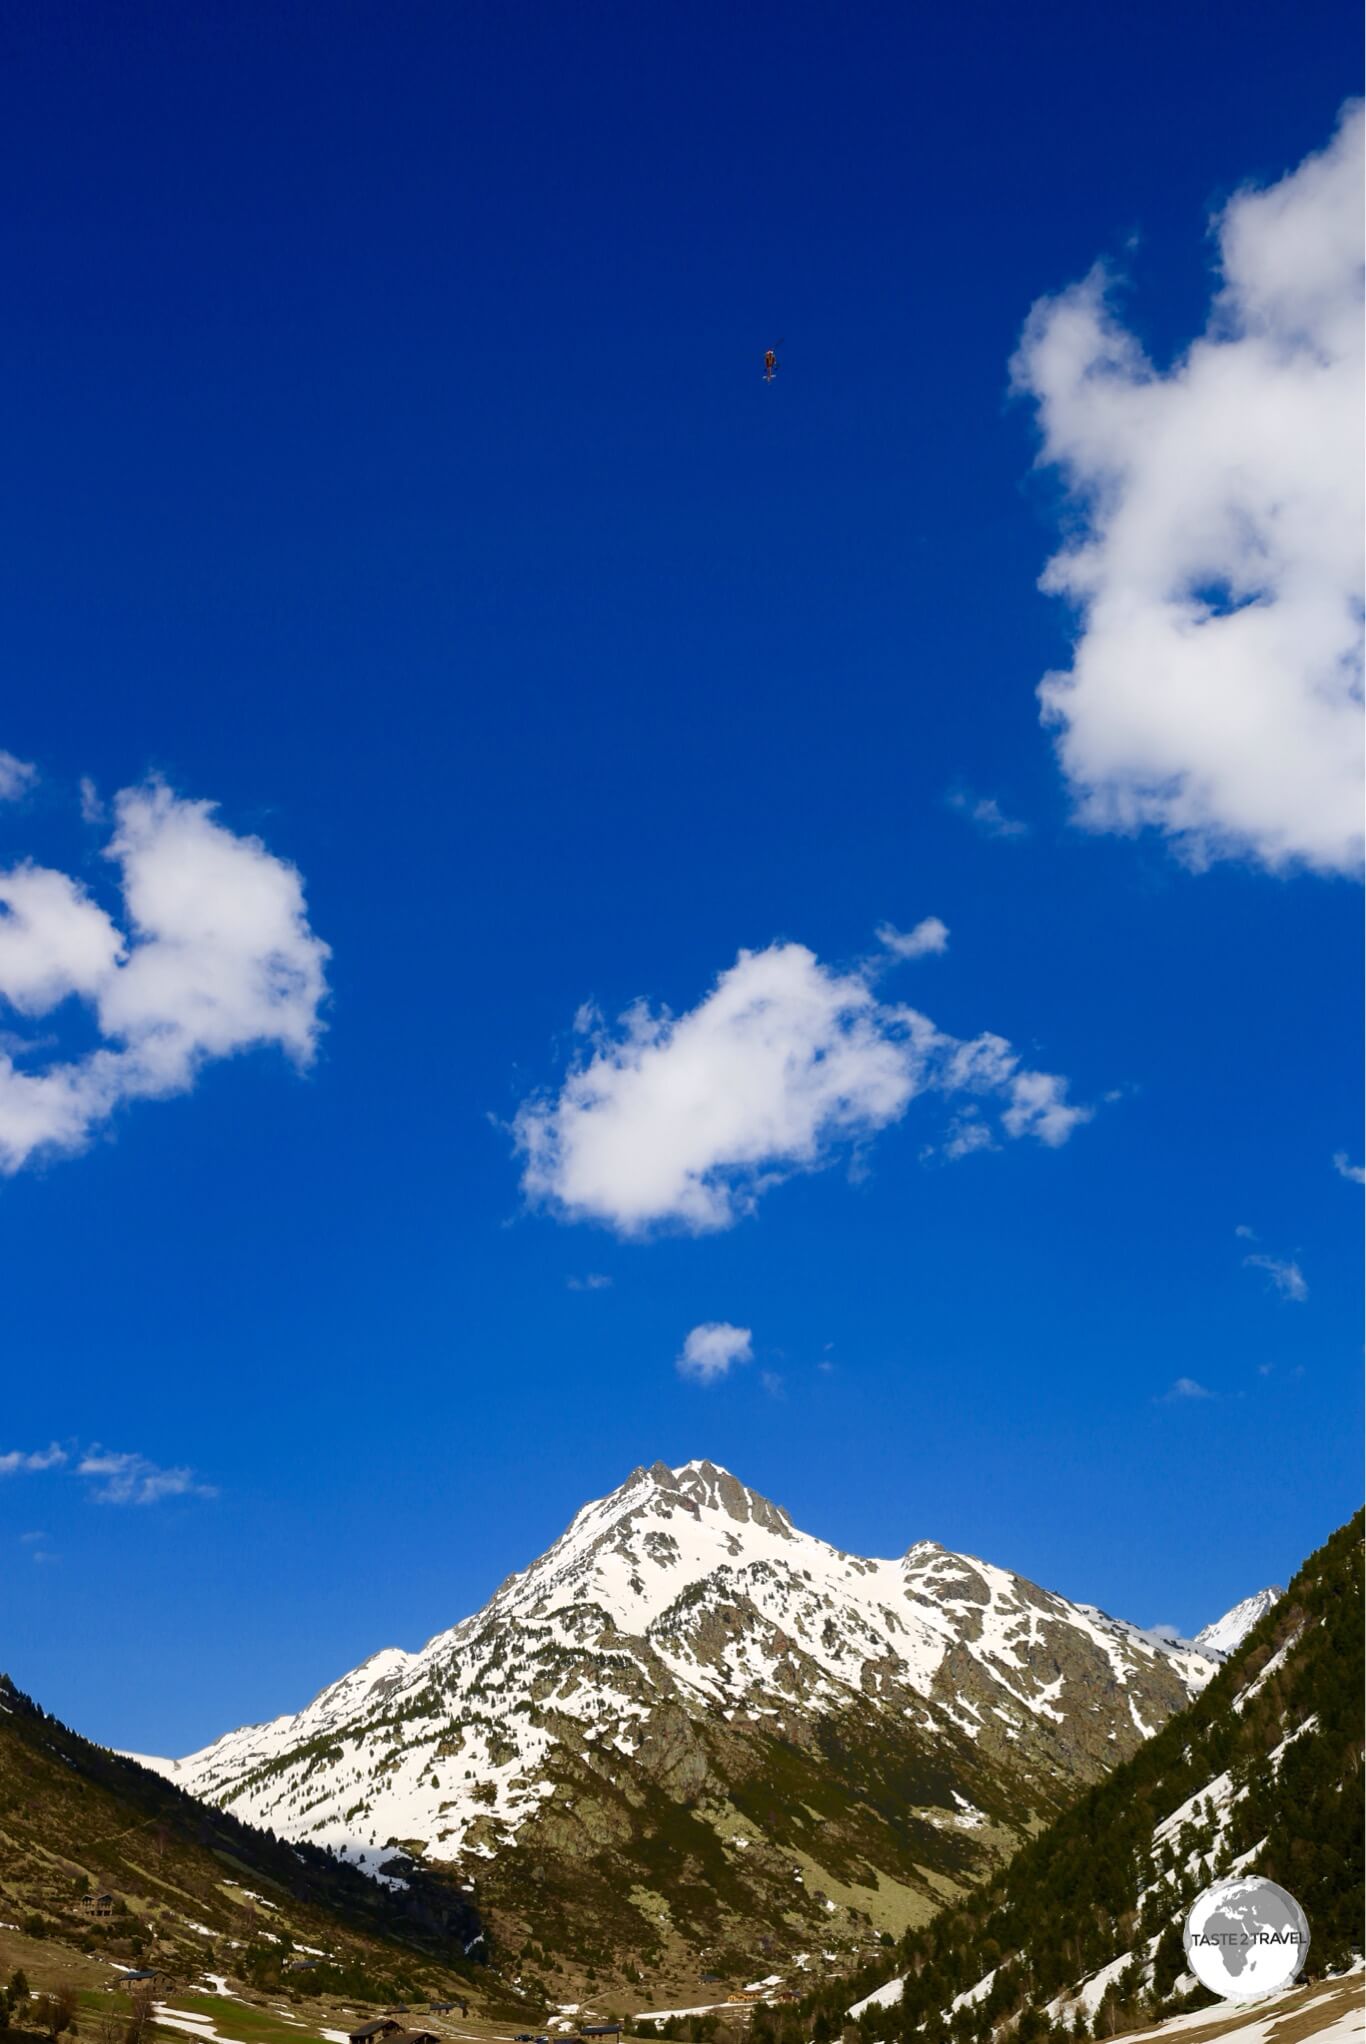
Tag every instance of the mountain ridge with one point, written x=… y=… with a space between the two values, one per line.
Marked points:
x=832 y=1743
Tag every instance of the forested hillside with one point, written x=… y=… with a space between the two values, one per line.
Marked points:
x=189 y=1886
x=1081 y=1934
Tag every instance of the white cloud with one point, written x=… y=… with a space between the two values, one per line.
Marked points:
x=987 y=814
x=592 y=1281
x=982 y=1065
x=1186 y=1387
x=1284 y=1274
x=114 y=1477
x=16 y=1461
x=1214 y=553
x=967 y=1134
x=216 y=956
x=927 y=940
x=17 y=776
x=1345 y=1168
x=1039 y=1107
x=712 y=1350
x=54 y=940
x=687 y=1120
x=127 y=1478
x=92 y=809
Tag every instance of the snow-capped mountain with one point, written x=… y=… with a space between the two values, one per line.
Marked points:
x=689 y=1717
x=1226 y=1634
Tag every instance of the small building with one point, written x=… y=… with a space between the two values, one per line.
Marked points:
x=415 y=2037
x=368 y=2033
x=147 y=1980
x=100 y=1905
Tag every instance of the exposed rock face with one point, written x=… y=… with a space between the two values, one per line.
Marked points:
x=689 y=1727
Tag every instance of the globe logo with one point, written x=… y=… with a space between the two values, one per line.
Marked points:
x=1246 y=1938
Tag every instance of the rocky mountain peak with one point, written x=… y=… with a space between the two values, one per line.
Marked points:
x=686 y=1670
x=685 y=1597
x=1225 y=1635
x=711 y=1488
x=682 y=1520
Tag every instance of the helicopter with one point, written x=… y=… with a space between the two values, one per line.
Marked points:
x=771 y=363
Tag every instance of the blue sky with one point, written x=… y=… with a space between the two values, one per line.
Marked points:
x=387 y=462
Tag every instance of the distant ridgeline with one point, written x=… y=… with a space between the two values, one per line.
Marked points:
x=1080 y=1935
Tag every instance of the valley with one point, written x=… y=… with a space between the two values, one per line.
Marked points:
x=701 y=1773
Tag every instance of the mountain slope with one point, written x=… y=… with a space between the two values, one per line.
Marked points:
x=193 y=1885
x=690 y=1732
x=1261 y=1774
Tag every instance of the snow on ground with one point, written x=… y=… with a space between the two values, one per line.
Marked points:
x=1091 y=1993
x=192 y=2025
x=1216 y=1793
x=703 y=2008
x=970 y=1996
x=1344 y=2030
x=1339 y=2002
x=881 y=1997
x=1277 y=1661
